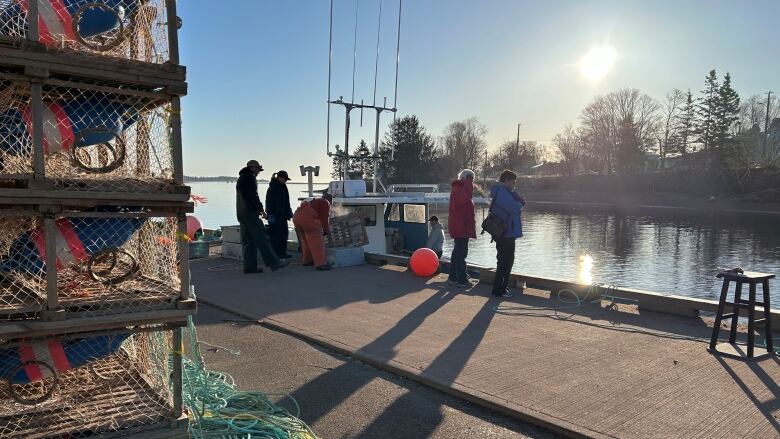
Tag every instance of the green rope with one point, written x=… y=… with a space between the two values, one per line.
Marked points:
x=568 y=303
x=775 y=344
x=579 y=301
x=218 y=410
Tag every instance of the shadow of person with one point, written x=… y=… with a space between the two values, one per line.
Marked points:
x=338 y=385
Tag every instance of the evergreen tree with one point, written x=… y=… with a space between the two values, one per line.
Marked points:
x=338 y=164
x=362 y=165
x=707 y=111
x=728 y=112
x=357 y=163
x=408 y=152
x=687 y=124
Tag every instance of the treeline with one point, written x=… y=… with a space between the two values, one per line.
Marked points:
x=409 y=154
x=627 y=131
x=222 y=178
x=622 y=132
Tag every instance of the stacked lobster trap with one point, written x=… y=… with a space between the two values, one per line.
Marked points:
x=94 y=276
x=126 y=29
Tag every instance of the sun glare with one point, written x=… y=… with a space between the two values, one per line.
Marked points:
x=586 y=265
x=595 y=64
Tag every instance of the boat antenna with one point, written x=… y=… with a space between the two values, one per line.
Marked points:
x=397 y=58
x=376 y=63
x=330 y=63
x=349 y=105
x=354 y=52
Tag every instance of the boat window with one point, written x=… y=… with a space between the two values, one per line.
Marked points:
x=367 y=212
x=414 y=213
x=395 y=213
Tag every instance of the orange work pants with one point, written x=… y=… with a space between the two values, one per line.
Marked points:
x=309 y=229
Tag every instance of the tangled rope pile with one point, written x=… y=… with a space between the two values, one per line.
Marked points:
x=218 y=410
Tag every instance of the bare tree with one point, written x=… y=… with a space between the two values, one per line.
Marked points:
x=752 y=112
x=670 y=127
x=606 y=119
x=463 y=142
x=517 y=156
x=570 y=146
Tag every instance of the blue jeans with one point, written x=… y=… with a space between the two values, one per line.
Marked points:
x=458 y=260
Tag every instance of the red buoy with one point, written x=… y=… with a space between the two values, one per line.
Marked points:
x=424 y=262
x=193 y=225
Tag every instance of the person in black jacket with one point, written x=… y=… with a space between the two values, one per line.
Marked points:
x=248 y=210
x=277 y=205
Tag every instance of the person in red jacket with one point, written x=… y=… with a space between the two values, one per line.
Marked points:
x=311 y=224
x=462 y=225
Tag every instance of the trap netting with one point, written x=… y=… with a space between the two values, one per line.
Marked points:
x=105 y=265
x=78 y=386
x=129 y=29
x=96 y=136
x=16 y=157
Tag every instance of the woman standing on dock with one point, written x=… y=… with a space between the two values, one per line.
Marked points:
x=462 y=225
x=507 y=205
x=277 y=205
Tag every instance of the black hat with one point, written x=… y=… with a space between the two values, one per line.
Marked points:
x=254 y=164
x=284 y=175
x=433 y=218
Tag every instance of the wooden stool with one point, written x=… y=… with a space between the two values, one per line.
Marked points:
x=751 y=278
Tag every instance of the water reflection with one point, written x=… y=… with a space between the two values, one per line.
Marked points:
x=661 y=250
x=586 y=264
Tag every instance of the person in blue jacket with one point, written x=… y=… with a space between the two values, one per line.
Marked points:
x=507 y=205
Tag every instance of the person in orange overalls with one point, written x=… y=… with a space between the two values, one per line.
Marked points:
x=311 y=224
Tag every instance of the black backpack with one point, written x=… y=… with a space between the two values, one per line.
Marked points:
x=492 y=224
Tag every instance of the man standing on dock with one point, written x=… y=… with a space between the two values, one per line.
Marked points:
x=248 y=210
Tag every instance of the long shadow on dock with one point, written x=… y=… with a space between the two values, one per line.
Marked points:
x=444 y=369
x=765 y=407
x=385 y=344
x=639 y=374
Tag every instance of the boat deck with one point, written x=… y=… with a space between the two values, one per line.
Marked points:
x=593 y=371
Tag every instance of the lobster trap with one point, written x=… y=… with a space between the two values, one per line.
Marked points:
x=89 y=264
x=96 y=136
x=81 y=385
x=346 y=231
x=127 y=29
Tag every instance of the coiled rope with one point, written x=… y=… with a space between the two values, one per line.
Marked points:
x=218 y=410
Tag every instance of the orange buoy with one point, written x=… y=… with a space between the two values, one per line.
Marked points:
x=193 y=225
x=424 y=262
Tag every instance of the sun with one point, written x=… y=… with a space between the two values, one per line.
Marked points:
x=595 y=64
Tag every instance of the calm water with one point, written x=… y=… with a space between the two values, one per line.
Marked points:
x=659 y=250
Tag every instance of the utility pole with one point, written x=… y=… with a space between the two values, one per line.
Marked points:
x=766 y=122
x=518 y=135
x=485 y=168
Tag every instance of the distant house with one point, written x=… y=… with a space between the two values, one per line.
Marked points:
x=694 y=160
x=652 y=162
x=548 y=168
x=774 y=131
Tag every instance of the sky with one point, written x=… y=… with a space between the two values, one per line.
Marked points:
x=258 y=69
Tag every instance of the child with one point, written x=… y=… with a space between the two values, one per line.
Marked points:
x=436 y=237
